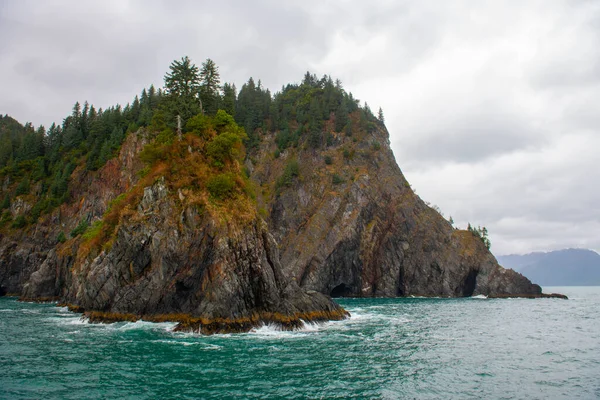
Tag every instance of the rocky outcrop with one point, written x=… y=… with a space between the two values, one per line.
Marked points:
x=181 y=264
x=350 y=225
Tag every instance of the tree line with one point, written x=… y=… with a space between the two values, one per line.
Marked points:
x=40 y=162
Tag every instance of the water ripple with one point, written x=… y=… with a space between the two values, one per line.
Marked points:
x=389 y=348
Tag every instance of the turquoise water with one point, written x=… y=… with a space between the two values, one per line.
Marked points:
x=390 y=348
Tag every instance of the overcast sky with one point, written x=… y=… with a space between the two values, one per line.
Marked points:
x=493 y=107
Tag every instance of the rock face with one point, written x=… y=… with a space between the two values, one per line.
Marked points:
x=22 y=252
x=350 y=225
x=167 y=262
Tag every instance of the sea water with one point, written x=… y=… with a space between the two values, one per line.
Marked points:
x=390 y=349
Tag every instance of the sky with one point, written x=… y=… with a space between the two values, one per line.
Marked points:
x=492 y=106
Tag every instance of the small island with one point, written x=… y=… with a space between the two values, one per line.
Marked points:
x=224 y=210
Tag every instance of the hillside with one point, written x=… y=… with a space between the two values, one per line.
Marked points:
x=224 y=210
x=568 y=267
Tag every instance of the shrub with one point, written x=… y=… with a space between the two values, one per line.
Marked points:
x=5 y=203
x=336 y=179
x=348 y=130
x=376 y=146
x=221 y=186
x=329 y=139
x=221 y=148
x=6 y=217
x=81 y=228
x=61 y=238
x=328 y=160
x=23 y=187
x=223 y=119
x=153 y=152
x=292 y=169
x=93 y=231
x=198 y=125
x=19 y=222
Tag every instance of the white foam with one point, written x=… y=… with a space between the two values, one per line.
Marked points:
x=479 y=296
x=144 y=325
x=69 y=320
x=272 y=331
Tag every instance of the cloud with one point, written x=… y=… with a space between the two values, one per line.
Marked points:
x=491 y=106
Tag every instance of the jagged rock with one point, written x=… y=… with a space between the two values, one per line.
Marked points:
x=20 y=206
x=204 y=272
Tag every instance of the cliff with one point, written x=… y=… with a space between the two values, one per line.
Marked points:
x=350 y=225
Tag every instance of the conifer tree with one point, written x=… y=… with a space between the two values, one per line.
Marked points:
x=182 y=85
x=229 y=98
x=209 y=86
x=380 y=116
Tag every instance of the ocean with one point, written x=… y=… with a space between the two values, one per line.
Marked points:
x=409 y=348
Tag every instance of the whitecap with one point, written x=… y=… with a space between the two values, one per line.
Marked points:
x=69 y=320
x=144 y=325
x=272 y=331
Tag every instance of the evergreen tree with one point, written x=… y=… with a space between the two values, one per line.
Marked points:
x=183 y=80
x=182 y=85
x=229 y=98
x=209 y=86
x=72 y=137
x=380 y=116
x=23 y=187
x=84 y=120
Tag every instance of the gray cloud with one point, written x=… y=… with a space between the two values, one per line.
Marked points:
x=491 y=106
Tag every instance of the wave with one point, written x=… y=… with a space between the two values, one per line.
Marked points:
x=142 y=325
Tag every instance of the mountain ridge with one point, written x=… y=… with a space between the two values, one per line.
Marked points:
x=565 y=267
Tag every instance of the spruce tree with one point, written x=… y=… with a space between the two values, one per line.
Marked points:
x=229 y=98
x=182 y=85
x=209 y=86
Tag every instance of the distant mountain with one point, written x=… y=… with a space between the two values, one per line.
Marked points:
x=569 y=267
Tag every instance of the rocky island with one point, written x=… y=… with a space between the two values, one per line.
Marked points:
x=222 y=210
